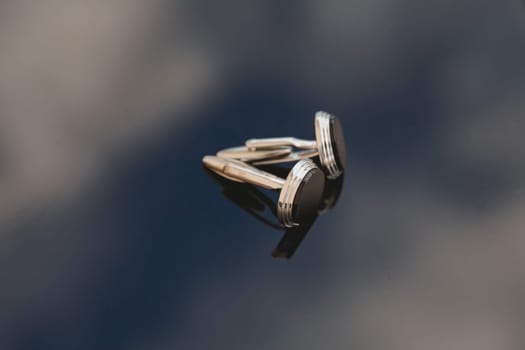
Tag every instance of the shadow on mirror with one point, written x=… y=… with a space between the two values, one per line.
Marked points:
x=262 y=207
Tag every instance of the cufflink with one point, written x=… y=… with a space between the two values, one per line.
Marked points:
x=300 y=193
x=263 y=208
x=329 y=144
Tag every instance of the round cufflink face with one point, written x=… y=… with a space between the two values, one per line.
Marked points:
x=301 y=194
x=330 y=144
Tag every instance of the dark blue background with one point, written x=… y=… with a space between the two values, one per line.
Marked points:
x=151 y=255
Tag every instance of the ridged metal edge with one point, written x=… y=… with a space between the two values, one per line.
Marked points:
x=290 y=189
x=325 y=144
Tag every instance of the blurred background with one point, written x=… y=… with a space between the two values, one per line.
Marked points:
x=113 y=237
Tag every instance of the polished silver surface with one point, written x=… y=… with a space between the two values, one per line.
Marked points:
x=329 y=145
x=325 y=128
x=266 y=156
x=244 y=154
x=272 y=142
x=241 y=172
x=292 y=157
x=301 y=192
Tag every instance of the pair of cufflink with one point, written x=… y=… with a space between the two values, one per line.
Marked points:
x=302 y=190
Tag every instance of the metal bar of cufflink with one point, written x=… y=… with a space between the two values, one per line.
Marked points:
x=244 y=154
x=273 y=142
x=300 y=193
x=241 y=172
x=266 y=156
x=329 y=144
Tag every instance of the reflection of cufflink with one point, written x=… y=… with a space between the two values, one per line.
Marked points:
x=300 y=193
x=329 y=144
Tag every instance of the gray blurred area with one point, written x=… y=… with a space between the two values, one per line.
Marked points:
x=112 y=237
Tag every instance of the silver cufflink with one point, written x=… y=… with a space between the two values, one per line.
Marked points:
x=263 y=207
x=303 y=193
x=329 y=144
x=300 y=193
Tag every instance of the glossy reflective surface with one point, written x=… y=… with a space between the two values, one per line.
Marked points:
x=113 y=237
